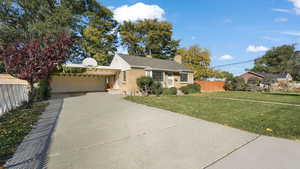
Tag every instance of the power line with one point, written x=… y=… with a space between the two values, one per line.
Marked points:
x=236 y=63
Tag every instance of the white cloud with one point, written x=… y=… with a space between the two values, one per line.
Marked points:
x=271 y=39
x=292 y=33
x=138 y=11
x=281 y=19
x=282 y=10
x=194 y=37
x=226 y=57
x=297 y=10
x=254 y=49
x=111 y=7
x=296 y=3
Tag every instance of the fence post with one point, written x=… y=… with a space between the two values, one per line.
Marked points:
x=2 y=100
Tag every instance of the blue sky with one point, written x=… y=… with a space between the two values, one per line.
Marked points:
x=226 y=27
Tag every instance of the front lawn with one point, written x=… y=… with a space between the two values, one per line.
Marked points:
x=266 y=119
x=291 y=98
x=14 y=126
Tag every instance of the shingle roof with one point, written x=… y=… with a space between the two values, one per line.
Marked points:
x=153 y=63
x=271 y=75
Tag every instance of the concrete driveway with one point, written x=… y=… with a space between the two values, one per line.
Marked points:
x=101 y=131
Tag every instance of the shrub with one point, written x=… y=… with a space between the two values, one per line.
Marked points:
x=253 y=84
x=2 y=67
x=64 y=69
x=145 y=84
x=156 y=88
x=169 y=91
x=42 y=92
x=235 y=84
x=191 y=88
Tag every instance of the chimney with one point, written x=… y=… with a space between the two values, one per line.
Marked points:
x=178 y=59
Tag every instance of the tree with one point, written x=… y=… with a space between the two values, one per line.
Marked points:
x=100 y=36
x=149 y=37
x=2 y=67
x=235 y=84
x=27 y=20
x=198 y=59
x=34 y=61
x=282 y=59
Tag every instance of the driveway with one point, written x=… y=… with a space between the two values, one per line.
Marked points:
x=101 y=131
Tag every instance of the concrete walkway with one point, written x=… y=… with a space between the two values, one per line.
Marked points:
x=100 y=131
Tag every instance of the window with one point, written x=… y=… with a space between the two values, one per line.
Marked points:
x=183 y=77
x=124 y=76
x=157 y=76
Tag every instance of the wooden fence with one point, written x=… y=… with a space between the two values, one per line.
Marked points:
x=12 y=96
x=211 y=86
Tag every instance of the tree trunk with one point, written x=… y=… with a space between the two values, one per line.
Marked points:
x=30 y=95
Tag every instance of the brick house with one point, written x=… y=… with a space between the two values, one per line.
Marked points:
x=273 y=77
x=121 y=75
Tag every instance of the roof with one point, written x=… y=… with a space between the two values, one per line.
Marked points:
x=270 y=75
x=154 y=64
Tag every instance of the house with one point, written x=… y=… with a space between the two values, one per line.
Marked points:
x=8 y=79
x=121 y=75
x=272 y=77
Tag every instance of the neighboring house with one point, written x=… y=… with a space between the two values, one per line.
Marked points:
x=273 y=77
x=122 y=74
x=8 y=79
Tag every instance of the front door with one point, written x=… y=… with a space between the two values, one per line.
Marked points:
x=170 y=81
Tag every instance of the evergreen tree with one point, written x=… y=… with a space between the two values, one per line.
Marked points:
x=149 y=37
x=282 y=59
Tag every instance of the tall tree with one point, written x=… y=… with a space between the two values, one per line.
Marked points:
x=34 y=61
x=100 y=36
x=198 y=59
x=27 y=20
x=149 y=37
x=282 y=59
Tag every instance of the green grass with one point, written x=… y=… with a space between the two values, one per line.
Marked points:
x=15 y=125
x=291 y=98
x=266 y=119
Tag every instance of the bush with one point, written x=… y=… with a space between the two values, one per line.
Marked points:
x=235 y=84
x=156 y=88
x=64 y=69
x=42 y=92
x=253 y=84
x=190 y=89
x=169 y=91
x=2 y=67
x=145 y=84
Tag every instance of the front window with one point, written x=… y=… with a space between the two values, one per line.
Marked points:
x=157 y=76
x=183 y=77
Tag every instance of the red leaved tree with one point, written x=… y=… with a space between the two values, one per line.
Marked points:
x=34 y=61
